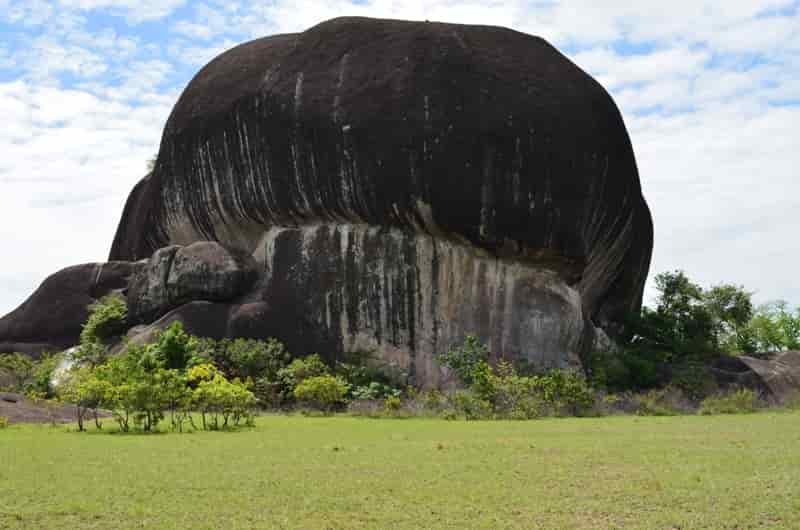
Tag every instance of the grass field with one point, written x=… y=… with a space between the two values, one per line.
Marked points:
x=294 y=472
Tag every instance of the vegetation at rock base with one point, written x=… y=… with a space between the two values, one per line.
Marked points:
x=689 y=326
x=660 y=369
x=28 y=376
x=107 y=319
x=323 y=392
x=708 y=472
x=741 y=401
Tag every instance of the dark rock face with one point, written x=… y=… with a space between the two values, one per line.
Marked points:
x=481 y=134
x=176 y=275
x=390 y=185
x=51 y=319
x=402 y=184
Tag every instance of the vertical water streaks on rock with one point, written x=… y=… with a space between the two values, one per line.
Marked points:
x=386 y=302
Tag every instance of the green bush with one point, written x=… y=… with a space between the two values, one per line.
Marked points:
x=468 y=405
x=510 y=395
x=392 y=404
x=248 y=359
x=299 y=370
x=567 y=392
x=217 y=398
x=40 y=382
x=626 y=369
x=468 y=361
x=374 y=390
x=3 y=422
x=86 y=391
x=175 y=347
x=322 y=392
x=108 y=318
x=514 y=396
x=741 y=401
x=17 y=368
x=694 y=380
x=661 y=402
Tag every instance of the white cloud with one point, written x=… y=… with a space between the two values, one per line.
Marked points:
x=135 y=10
x=66 y=171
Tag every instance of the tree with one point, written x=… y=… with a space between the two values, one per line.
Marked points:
x=773 y=327
x=690 y=323
x=216 y=397
x=87 y=392
x=731 y=309
x=19 y=368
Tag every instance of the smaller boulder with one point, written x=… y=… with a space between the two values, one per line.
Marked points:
x=51 y=319
x=176 y=275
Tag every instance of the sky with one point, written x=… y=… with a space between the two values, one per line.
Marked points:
x=709 y=90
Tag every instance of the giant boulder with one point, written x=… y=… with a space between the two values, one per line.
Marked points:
x=399 y=185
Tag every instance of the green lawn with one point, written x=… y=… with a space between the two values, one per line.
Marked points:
x=294 y=472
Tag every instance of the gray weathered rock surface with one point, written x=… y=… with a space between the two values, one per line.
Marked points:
x=176 y=275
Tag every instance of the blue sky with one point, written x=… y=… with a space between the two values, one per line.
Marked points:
x=710 y=92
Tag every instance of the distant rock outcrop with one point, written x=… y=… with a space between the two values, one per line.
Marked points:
x=776 y=375
x=391 y=185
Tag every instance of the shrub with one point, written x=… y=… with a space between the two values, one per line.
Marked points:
x=87 y=392
x=392 y=404
x=511 y=395
x=374 y=390
x=299 y=370
x=467 y=361
x=91 y=353
x=3 y=422
x=625 y=369
x=694 y=381
x=515 y=397
x=740 y=401
x=18 y=368
x=219 y=398
x=175 y=347
x=668 y=401
x=41 y=380
x=323 y=392
x=468 y=405
x=565 y=391
x=108 y=318
x=261 y=361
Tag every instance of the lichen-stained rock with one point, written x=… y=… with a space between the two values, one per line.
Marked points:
x=52 y=317
x=176 y=275
x=408 y=296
